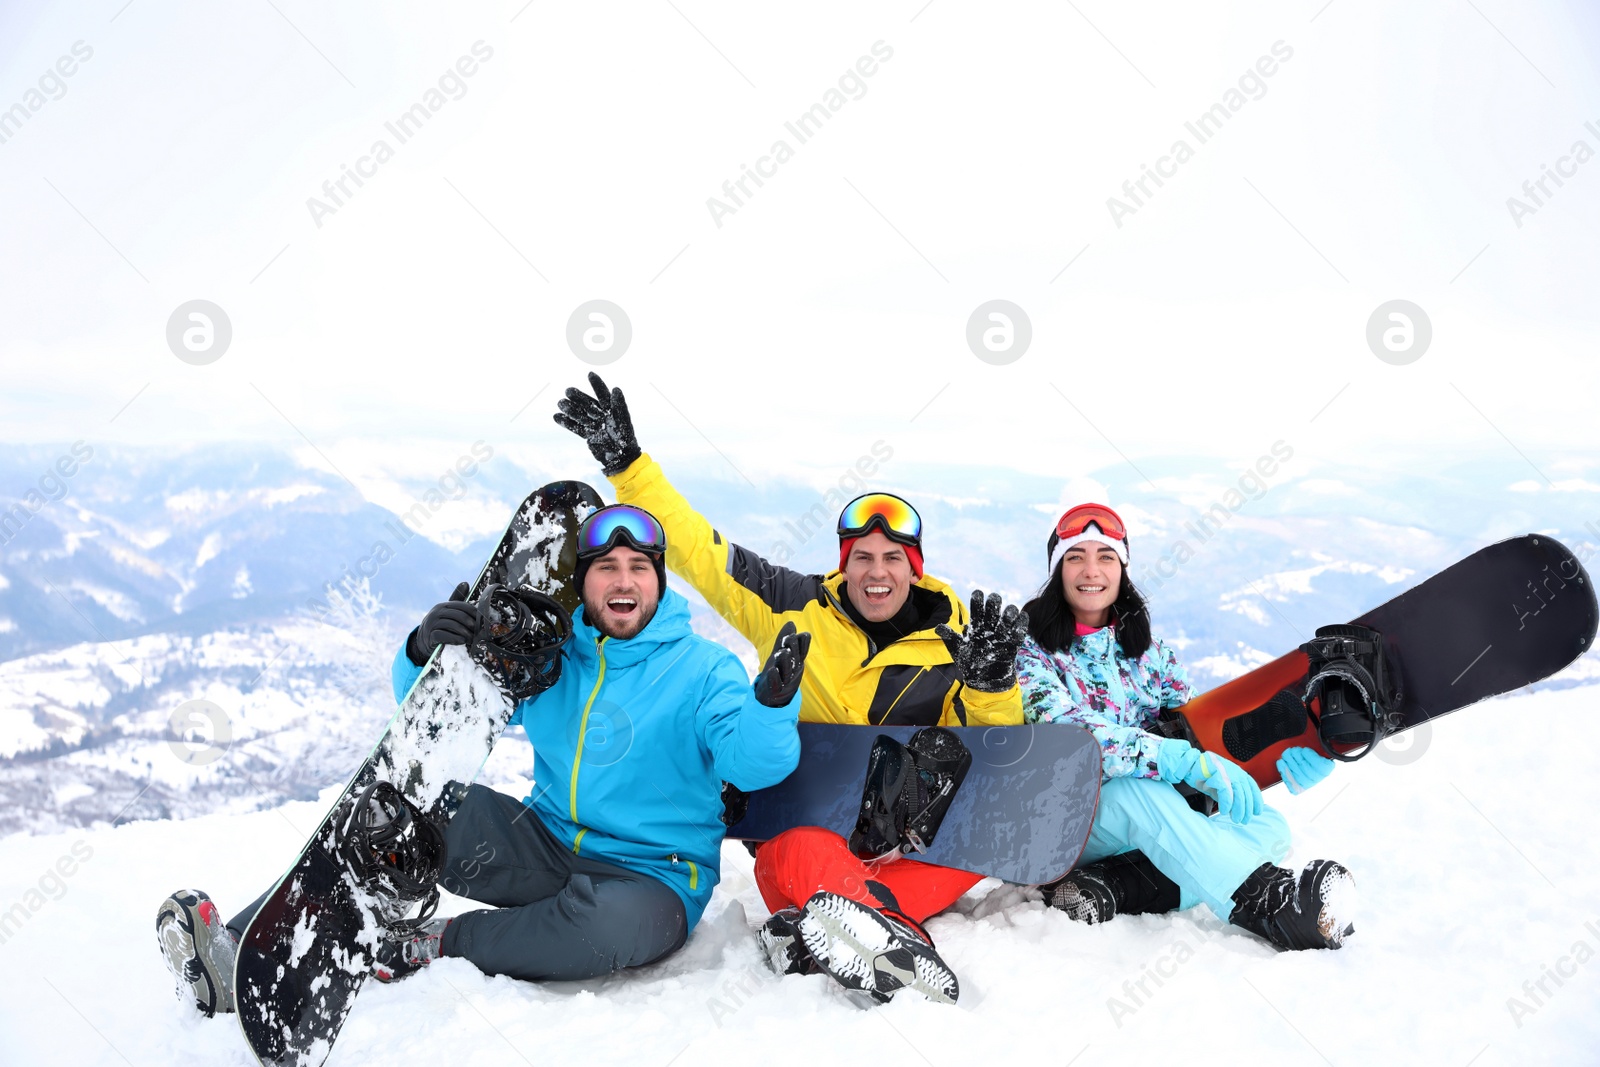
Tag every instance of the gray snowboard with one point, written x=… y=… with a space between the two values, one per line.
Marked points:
x=1022 y=814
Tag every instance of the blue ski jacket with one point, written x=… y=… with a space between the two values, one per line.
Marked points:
x=1094 y=685
x=633 y=742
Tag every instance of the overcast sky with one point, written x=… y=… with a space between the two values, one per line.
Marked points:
x=959 y=153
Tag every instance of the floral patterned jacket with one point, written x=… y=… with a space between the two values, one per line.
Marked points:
x=1094 y=685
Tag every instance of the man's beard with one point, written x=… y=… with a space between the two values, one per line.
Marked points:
x=593 y=611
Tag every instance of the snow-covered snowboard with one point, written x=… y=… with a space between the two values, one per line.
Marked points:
x=309 y=948
x=1502 y=618
x=1022 y=812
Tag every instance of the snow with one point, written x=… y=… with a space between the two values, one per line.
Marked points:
x=446 y=741
x=1226 y=666
x=195 y=501
x=1470 y=888
x=209 y=548
x=305 y=935
x=289 y=494
x=117 y=603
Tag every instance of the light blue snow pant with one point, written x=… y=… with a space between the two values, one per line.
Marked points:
x=1208 y=858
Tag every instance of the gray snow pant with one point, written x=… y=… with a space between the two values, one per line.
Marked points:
x=554 y=915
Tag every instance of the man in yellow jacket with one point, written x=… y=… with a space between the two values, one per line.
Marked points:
x=890 y=645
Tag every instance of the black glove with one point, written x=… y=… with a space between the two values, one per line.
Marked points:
x=601 y=420
x=450 y=623
x=780 y=679
x=986 y=655
x=735 y=803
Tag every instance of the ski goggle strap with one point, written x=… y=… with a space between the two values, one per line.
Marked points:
x=897 y=519
x=1077 y=520
x=617 y=524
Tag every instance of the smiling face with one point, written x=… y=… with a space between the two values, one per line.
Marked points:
x=1091 y=577
x=878 y=576
x=620 y=592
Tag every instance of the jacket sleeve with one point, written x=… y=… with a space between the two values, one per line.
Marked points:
x=751 y=745
x=403 y=674
x=743 y=588
x=1176 y=689
x=1125 y=751
x=972 y=707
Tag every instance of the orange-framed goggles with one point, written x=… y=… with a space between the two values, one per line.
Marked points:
x=897 y=519
x=1078 y=519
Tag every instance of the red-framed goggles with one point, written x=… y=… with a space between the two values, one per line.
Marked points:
x=620 y=524
x=1078 y=519
x=897 y=519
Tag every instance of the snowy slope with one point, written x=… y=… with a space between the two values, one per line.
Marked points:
x=1473 y=854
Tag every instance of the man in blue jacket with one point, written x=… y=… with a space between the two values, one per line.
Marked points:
x=611 y=859
x=630 y=749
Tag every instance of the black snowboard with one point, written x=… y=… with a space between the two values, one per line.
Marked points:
x=1505 y=617
x=308 y=949
x=1022 y=814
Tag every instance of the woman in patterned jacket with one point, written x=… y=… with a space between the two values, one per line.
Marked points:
x=1090 y=659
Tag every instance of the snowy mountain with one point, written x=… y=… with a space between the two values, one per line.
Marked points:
x=155 y=579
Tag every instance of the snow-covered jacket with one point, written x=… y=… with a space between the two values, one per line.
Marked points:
x=633 y=742
x=1093 y=684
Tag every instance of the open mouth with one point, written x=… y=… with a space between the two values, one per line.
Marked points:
x=876 y=594
x=1091 y=590
x=622 y=605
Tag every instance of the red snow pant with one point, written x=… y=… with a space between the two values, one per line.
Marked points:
x=808 y=859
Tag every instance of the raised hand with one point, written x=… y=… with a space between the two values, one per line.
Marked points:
x=603 y=422
x=780 y=679
x=986 y=654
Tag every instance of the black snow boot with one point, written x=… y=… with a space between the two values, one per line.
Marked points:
x=1128 y=884
x=785 y=949
x=407 y=947
x=1314 y=909
x=876 y=952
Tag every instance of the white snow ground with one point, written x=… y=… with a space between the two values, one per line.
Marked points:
x=1475 y=861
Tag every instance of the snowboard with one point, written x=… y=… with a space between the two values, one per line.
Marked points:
x=1502 y=618
x=1022 y=813
x=308 y=950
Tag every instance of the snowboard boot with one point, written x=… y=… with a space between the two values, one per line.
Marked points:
x=1128 y=884
x=407 y=947
x=876 y=952
x=783 y=946
x=198 y=948
x=1314 y=909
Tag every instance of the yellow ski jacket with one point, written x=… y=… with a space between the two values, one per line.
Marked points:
x=912 y=682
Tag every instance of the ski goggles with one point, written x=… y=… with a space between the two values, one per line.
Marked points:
x=620 y=524
x=897 y=519
x=1073 y=528
x=1077 y=520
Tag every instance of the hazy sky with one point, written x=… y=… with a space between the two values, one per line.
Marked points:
x=958 y=153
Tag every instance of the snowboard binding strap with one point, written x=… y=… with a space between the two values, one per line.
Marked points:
x=519 y=639
x=391 y=847
x=908 y=790
x=1355 y=688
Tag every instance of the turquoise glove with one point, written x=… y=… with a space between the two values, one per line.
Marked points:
x=1235 y=792
x=1301 y=768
